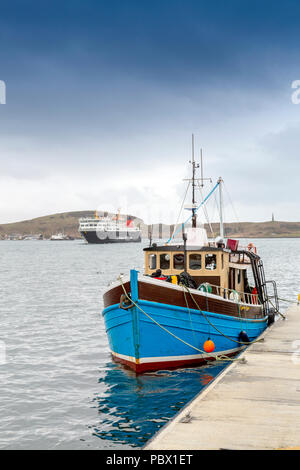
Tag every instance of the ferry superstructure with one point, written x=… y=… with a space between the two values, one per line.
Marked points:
x=109 y=229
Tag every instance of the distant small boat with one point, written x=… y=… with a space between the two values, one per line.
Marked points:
x=32 y=237
x=59 y=237
x=106 y=229
x=193 y=303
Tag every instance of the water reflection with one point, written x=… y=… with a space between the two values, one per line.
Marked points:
x=132 y=408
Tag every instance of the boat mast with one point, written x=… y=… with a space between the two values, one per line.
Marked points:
x=194 y=182
x=194 y=166
x=220 y=181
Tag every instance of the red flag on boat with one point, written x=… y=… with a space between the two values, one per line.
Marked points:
x=129 y=222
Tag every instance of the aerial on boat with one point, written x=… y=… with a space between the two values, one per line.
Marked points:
x=109 y=229
x=197 y=300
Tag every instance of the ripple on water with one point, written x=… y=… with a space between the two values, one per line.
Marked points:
x=59 y=387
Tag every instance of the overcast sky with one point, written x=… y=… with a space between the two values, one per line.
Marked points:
x=103 y=96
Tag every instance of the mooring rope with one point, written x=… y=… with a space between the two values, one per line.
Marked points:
x=218 y=357
x=286 y=300
x=219 y=331
x=191 y=322
x=281 y=314
x=154 y=321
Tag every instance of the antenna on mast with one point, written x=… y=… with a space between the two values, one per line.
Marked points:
x=201 y=163
x=195 y=180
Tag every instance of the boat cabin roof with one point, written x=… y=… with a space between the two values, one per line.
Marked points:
x=165 y=248
x=212 y=264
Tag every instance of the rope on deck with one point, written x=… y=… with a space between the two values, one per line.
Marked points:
x=218 y=357
x=219 y=331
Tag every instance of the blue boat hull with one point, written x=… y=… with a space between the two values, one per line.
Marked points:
x=162 y=336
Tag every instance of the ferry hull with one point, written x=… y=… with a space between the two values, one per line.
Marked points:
x=101 y=238
x=164 y=336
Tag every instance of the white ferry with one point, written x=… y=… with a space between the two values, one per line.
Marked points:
x=114 y=229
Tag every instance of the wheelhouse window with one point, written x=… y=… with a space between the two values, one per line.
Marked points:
x=195 y=261
x=164 y=261
x=152 y=261
x=210 y=262
x=178 y=261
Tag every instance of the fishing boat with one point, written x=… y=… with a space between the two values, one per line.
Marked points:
x=197 y=299
x=58 y=237
x=109 y=229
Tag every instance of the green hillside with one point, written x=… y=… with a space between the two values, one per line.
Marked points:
x=67 y=222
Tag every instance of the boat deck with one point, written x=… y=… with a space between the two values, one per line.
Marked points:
x=251 y=405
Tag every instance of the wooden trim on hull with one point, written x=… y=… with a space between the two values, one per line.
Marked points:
x=140 y=367
x=112 y=296
x=166 y=295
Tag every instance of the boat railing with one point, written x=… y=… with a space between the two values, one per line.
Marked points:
x=239 y=258
x=102 y=225
x=237 y=296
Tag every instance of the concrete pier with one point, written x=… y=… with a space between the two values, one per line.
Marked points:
x=254 y=404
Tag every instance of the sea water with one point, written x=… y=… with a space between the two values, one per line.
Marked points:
x=59 y=387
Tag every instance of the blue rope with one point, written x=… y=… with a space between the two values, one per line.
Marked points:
x=204 y=200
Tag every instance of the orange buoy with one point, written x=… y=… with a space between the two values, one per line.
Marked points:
x=209 y=346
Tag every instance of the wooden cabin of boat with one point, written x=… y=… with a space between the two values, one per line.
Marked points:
x=222 y=270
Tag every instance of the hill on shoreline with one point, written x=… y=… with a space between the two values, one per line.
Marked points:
x=67 y=222
x=64 y=222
